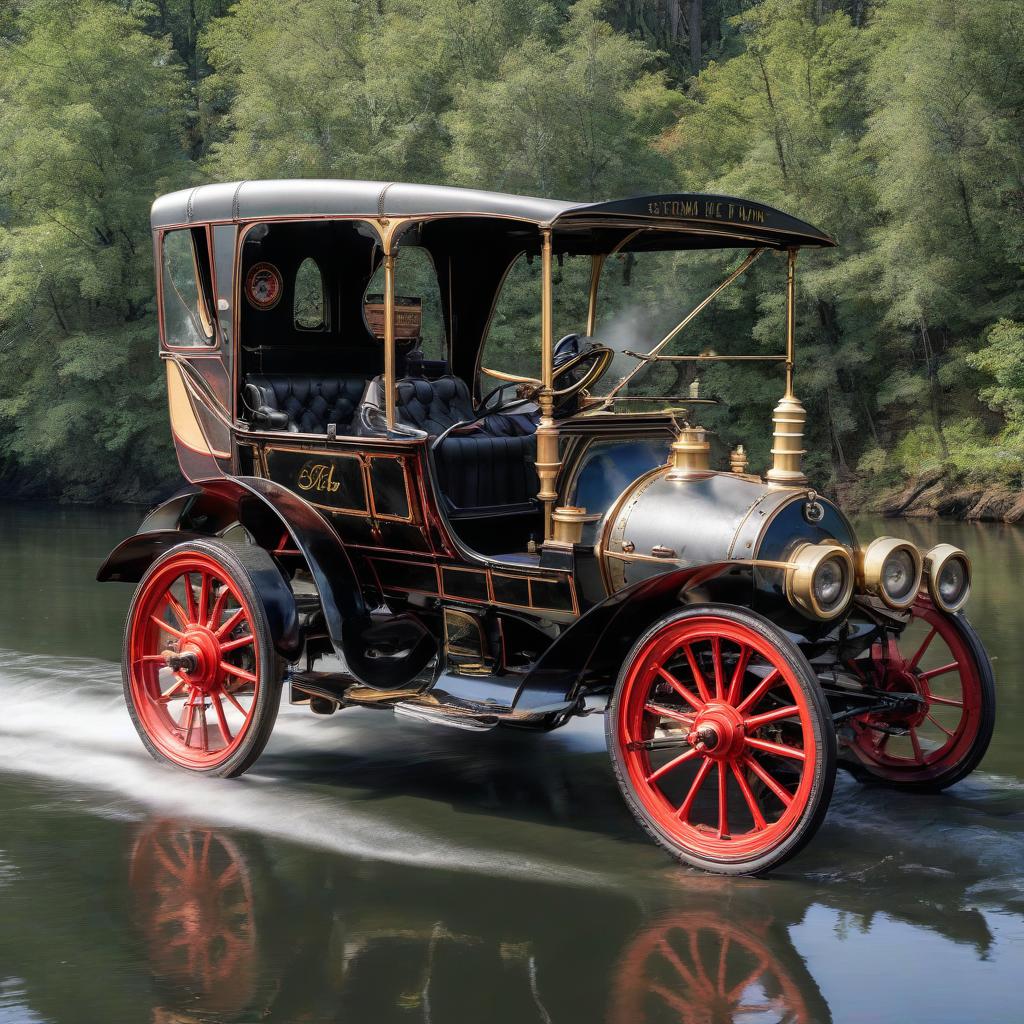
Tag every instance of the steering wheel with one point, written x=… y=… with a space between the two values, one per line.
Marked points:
x=593 y=360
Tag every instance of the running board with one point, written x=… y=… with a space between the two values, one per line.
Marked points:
x=436 y=715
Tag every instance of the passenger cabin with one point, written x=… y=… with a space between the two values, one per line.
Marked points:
x=330 y=336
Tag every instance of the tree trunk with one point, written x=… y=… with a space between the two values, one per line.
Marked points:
x=696 y=48
x=675 y=15
x=931 y=368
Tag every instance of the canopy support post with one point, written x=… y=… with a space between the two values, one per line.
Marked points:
x=389 y=337
x=548 y=463
x=789 y=416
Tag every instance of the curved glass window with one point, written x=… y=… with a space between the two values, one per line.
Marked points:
x=187 y=319
x=309 y=304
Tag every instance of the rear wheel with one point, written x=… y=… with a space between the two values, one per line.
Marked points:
x=939 y=660
x=721 y=740
x=201 y=677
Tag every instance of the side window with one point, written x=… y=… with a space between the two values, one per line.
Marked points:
x=310 y=307
x=513 y=338
x=417 y=295
x=187 y=320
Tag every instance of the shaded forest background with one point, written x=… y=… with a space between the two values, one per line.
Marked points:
x=895 y=125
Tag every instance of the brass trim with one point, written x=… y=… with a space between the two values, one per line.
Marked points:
x=872 y=562
x=934 y=562
x=367 y=458
x=807 y=560
x=596 y=266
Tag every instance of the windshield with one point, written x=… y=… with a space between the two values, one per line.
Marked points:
x=658 y=312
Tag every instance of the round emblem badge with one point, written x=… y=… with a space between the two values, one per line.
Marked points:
x=263 y=285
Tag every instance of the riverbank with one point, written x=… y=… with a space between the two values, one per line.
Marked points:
x=933 y=495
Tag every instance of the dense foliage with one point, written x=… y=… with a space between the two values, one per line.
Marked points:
x=894 y=124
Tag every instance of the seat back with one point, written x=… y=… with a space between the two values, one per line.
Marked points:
x=432 y=405
x=310 y=403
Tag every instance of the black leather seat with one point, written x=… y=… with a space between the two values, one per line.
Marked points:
x=488 y=465
x=301 y=403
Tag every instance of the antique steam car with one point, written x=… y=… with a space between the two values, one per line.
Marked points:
x=372 y=523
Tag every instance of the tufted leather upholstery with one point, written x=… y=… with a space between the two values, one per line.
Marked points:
x=492 y=464
x=310 y=403
x=433 y=405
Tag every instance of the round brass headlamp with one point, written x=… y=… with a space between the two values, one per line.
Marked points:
x=948 y=572
x=820 y=580
x=891 y=570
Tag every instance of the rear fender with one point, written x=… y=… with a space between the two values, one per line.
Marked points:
x=266 y=510
x=590 y=652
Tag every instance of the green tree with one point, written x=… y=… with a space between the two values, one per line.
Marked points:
x=90 y=134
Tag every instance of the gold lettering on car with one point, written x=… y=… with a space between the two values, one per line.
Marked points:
x=317 y=476
x=706 y=210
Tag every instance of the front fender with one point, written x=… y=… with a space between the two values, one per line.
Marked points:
x=590 y=652
x=265 y=509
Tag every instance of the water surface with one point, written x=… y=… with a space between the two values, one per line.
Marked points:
x=373 y=870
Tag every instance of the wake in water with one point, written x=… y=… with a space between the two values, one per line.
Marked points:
x=64 y=720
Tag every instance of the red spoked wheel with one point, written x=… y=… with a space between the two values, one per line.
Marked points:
x=201 y=677
x=722 y=741
x=194 y=904
x=939 y=660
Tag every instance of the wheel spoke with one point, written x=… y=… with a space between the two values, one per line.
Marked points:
x=683 y=814
x=723 y=802
x=179 y=612
x=191 y=709
x=751 y=700
x=218 y=607
x=233 y=645
x=938 y=724
x=916 y=744
x=234 y=670
x=171 y=691
x=947 y=701
x=716 y=659
x=190 y=599
x=680 y=689
x=226 y=627
x=735 y=687
x=222 y=722
x=770 y=781
x=921 y=650
x=204 y=596
x=674 y=763
x=664 y=712
x=698 y=676
x=779 y=749
x=748 y=795
x=234 y=700
x=932 y=673
x=756 y=721
x=167 y=628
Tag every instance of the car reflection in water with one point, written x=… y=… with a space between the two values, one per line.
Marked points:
x=226 y=938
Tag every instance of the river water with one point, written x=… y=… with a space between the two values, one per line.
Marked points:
x=371 y=870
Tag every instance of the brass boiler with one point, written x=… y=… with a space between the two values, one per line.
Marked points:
x=684 y=514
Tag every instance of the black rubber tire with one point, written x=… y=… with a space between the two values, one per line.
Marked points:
x=967 y=764
x=824 y=738
x=235 y=560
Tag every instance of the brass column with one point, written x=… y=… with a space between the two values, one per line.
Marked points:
x=596 y=266
x=389 y=336
x=789 y=416
x=547 y=433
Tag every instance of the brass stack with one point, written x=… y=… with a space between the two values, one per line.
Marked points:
x=738 y=460
x=789 y=416
x=567 y=526
x=690 y=455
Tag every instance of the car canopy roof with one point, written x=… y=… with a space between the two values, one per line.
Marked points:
x=669 y=221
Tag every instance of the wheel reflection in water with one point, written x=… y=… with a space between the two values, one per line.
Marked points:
x=699 y=968
x=193 y=902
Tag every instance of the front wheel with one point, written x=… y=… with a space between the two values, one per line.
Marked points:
x=721 y=740
x=201 y=677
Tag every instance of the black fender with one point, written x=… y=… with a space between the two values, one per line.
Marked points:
x=265 y=509
x=587 y=656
